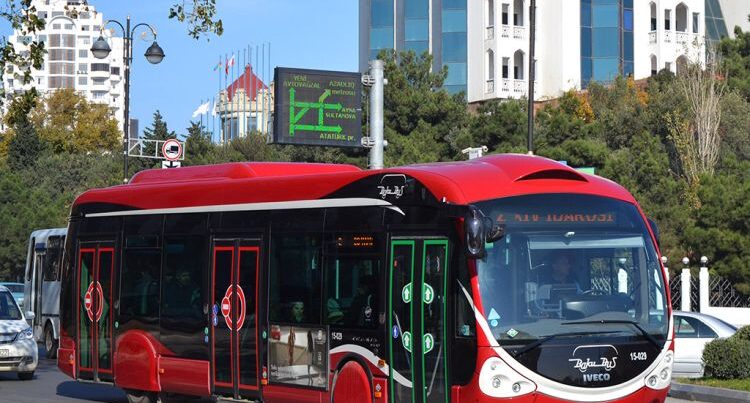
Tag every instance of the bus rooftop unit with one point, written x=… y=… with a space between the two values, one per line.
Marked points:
x=504 y=277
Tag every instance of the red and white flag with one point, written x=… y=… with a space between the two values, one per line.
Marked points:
x=228 y=64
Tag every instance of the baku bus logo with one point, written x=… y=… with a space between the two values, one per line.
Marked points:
x=604 y=356
x=392 y=185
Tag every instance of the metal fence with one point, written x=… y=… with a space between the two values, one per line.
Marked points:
x=723 y=294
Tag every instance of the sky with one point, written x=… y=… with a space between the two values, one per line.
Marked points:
x=313 y=34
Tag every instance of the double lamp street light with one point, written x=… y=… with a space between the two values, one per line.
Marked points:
x=154 y=54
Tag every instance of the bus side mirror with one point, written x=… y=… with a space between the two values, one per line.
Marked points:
x=655 y=230
x=30 y=315
x=480 y=229
x=474 y=228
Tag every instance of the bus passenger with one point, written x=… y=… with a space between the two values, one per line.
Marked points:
x=297 y=312
x=364 y=303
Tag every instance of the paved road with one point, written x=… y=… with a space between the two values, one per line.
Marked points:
x=50 y=385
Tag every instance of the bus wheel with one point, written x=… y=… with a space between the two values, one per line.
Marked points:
x=50 y=344
x=352 y=385
x=140 y=396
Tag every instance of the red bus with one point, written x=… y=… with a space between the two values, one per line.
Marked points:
x=508 y=276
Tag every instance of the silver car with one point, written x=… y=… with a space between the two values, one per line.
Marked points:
x=18 y=350
x=692 y=330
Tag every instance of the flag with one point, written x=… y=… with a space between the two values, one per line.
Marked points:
x=202 y=109
x=218 y=66
x=214 y=111
x=229 y=64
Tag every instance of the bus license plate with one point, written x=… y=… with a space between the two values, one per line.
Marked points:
x=3 y=353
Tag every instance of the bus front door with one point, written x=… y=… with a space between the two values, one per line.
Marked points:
x=234 y=323
x=95 y=348
x=417 y=322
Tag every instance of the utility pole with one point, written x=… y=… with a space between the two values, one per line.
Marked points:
x=377 y=141
x=532 y=68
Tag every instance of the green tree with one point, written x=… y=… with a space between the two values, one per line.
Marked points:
x=499 y=125
x=25 y=147
x=416 y=104
x=68 y=122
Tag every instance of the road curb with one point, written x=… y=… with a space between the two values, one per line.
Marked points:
x=708 y=394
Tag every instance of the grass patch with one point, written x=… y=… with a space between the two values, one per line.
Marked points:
x=736 y=384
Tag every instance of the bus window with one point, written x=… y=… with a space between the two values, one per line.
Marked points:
x=140 y=275
x=184 y=261
x=295 y=278
x=353 y=280
x=51 y=269
x=353 y=288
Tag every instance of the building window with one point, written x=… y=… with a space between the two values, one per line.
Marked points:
x=667 y=20
x=653 y=16
x=57 y=14
x=68 y=26
x=518 y=12
x=56 y=26
x=696 y=23
x=41 y=14
x=84 y=40
x=518 y=67
x=83 y=53
x=83 y=68
x=83 y=80
x=490 y=13
x=490 y=66
x=99 y=67
x=98 y=81
x=115 y=71
x=10 y=82
x=681 y=15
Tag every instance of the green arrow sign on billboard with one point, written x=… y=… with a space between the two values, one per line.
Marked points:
x=406 y=340
x=406 y=293
x=317 y=107
x=429 y=343
x=428 y=294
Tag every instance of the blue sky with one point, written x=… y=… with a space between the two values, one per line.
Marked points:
x=315 y=34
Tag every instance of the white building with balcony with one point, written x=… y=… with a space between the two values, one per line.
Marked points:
x=577 y=41
x=71 y=27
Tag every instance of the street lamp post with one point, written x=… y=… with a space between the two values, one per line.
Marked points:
x=154 y=54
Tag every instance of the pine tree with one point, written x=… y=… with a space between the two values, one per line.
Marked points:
x=25 y=147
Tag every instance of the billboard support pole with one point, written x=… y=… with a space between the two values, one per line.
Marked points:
x=376 y=114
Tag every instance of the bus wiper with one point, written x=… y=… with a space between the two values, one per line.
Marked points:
x=538 y=342
x=635 y=324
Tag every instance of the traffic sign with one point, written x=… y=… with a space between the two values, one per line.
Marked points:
x=171 y=150
x=170 y=164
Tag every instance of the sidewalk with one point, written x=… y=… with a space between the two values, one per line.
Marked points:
x=708 y=394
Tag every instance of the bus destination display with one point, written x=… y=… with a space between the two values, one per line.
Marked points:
x=316 y=107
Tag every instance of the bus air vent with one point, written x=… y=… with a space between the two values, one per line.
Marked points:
x=561 y=174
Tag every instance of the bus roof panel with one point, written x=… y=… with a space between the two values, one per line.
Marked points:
x=462 y=182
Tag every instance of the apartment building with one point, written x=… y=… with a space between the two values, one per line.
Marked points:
x=71 y=27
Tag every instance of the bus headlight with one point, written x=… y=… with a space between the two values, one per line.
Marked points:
x=25 y=334
x=661 y=376
x=498 y=379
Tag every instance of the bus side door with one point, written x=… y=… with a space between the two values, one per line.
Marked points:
x=95 y=283
x=417 y=320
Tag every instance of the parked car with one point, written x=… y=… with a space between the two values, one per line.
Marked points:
x=17 y=290
x=692 y=330
x=18 y=350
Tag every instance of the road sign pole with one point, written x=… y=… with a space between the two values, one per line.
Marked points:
x=376 y=114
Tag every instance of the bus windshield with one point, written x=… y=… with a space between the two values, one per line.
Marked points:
x=577 y=260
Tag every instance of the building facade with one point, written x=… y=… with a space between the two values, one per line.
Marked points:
x=577 y=41
x=439 y=27
x=244 y=107
x=71 y=27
